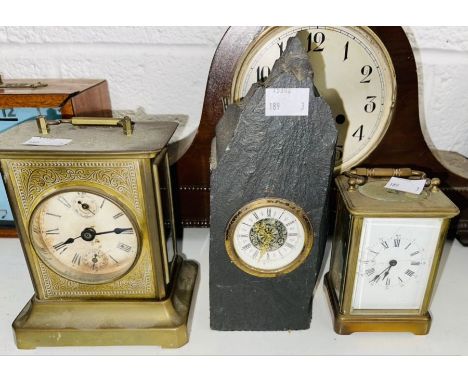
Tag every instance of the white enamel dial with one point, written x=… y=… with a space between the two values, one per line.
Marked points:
x=352 y=71
x=84 y=236
x=271 y=237
x=395 y=260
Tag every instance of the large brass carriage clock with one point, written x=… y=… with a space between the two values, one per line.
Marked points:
x=91 y=216
x=386 y=252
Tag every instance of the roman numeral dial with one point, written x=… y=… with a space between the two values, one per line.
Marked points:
x=394 y=263
x=392 y=259
x=84 y=236
x=269 y=237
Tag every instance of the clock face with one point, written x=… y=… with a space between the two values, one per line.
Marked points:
x=395 y=261
x=352 y=71
x=84 y=236
x=268 y=237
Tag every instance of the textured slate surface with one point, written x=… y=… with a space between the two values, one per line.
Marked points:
x=285 y=157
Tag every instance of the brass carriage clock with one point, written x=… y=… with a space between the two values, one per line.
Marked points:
x=386 y=252
x=91 y=213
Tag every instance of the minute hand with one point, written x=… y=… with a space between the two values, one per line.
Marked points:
x=115 y=230
x=376 y=278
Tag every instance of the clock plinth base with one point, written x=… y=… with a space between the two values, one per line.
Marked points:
x=164 y=323
x=348 y=324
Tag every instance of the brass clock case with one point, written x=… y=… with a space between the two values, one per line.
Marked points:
x=148 y=303
x=76 y=276
x=354 y=207
x=287 y=205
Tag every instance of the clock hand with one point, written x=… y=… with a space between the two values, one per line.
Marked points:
x=386 y=271
x=392 y=264
x=85 y=206
x=386 y=274
x=115 y=230
x=377 y=277
x=66 y=242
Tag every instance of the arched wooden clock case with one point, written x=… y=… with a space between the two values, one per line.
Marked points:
x=403 y=144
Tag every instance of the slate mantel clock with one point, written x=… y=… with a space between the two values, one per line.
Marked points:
x=91 y=219
x=368 y=77
x=24 y=99
x=386 y=251
x=271 y=180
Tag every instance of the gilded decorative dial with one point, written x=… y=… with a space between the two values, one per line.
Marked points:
x=84 y=236
x=269 y=237
x=352 y=71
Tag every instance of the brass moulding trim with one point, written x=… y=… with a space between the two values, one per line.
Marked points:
x=273 y=202
x=110 y=323
x=348 y=323
x=21 y=85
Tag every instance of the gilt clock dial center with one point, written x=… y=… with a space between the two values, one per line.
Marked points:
x=269 y=237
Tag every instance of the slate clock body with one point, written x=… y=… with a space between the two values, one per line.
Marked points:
x=398 y=140
x=269 y=206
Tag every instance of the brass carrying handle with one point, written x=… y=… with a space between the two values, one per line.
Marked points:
x=359 y=175
x=125 y=122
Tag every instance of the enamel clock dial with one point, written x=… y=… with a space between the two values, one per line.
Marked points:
x=352 y=71
x=394 y=262
x=269 y=237
x=84 y=236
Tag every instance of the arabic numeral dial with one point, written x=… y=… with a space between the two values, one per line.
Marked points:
x=353 y=72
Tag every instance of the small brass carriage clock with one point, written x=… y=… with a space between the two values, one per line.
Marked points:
x=386 y=252
x=96 y=223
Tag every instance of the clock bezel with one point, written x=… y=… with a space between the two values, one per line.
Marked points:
x=96 y=191
x=269 y=202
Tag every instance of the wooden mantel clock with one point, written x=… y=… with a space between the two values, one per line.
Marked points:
x=368 y=77
x=24 y=99
x=91 y=217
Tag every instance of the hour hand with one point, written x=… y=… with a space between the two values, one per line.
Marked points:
x=66 y=242
x=375 y=279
